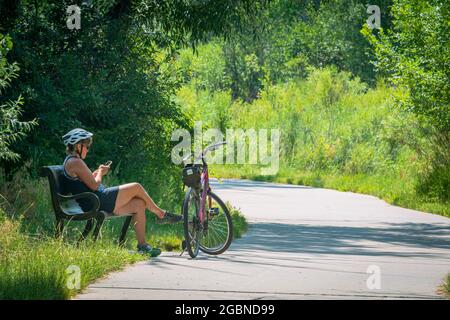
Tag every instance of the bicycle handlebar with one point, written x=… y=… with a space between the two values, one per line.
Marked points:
x=213 y=147
x=209 y=148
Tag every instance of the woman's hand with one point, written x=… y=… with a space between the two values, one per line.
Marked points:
x=95 y=173
x=102 y=170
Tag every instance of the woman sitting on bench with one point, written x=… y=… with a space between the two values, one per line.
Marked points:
x=119 y=200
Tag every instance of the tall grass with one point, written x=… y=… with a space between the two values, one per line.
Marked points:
x=447 y=286
x=338 y=133
x=34 y=267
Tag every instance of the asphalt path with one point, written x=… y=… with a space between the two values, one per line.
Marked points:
x=302 y=243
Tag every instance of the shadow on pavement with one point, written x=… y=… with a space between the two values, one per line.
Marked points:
x=405 y=239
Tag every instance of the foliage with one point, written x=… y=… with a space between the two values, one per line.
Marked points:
x=335 y=127
x=288 y=36
x=332 y=122
x=11 y=128
x=205 y=67
x=112 y=77
x=415 y=54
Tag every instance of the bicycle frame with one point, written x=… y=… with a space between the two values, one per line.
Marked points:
x=204 y=181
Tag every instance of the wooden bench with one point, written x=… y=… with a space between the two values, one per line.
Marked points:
x=67 y=208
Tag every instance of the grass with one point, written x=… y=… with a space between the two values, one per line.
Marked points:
x=34 y=265
x=169 y=237
x=444 y=289
x=35 y=268
x=447 y=286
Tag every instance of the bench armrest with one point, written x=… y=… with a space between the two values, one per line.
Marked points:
x=85 y=195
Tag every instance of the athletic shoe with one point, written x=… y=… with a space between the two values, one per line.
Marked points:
x=147 y=249
x=170 y=218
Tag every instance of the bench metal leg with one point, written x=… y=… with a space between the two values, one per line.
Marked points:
x=125 y=227
x=87 y=229
x=59 y=228
x=100 y=218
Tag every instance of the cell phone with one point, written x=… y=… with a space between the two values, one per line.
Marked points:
x=108 y=163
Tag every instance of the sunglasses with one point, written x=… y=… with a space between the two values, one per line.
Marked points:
x=87 y=146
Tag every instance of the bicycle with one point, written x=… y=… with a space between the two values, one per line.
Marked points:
x=207 y=221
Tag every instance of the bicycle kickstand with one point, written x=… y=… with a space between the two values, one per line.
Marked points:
x=183 y=247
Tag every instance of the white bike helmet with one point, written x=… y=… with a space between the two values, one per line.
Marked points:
x=76 y=135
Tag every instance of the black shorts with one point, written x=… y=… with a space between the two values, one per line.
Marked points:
x=107 y=199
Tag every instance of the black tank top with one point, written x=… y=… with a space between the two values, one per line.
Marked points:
x=75 y=186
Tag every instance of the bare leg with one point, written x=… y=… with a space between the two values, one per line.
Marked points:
x=135 y=190
x=137 y=207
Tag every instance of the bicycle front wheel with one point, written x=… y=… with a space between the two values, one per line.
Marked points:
x=191 y=208
x=217 y=234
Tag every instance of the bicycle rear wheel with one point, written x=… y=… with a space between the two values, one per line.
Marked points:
x=217 y=235
x=191 y=207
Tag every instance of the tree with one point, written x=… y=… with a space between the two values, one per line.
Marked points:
x=112 y=76
x=11 y=128
x=287 y=36
x=415 y=55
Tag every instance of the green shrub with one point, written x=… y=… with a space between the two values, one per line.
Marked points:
x=337 y=132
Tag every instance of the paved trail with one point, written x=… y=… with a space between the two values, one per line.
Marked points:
x=303 y=243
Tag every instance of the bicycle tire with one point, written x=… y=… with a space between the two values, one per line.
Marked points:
x=191 y=241
x=229 y=239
